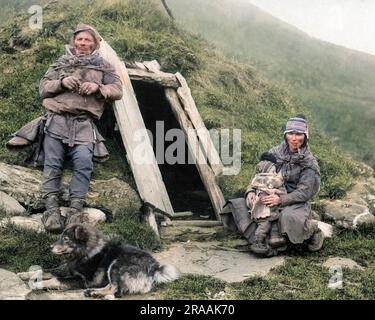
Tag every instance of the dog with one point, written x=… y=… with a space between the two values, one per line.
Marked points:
x=106 y=268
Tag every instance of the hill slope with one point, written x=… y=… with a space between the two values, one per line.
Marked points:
x=335 y=82
x=228 y=95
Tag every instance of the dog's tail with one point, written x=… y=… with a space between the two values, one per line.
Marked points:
x=166 y=273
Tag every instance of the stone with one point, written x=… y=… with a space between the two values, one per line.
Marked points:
x=12 y=287
x=326 y=228
x=23 y=184
x=33 y=222
x=10 y=206
x=204 y=258
x=343 y=263
x=346 y=214
x=365 y=217
x=92 y=216
x=363 y=192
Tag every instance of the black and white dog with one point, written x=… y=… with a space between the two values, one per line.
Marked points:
x=105 y=268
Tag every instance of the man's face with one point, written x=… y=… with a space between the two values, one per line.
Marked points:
x=84 y=43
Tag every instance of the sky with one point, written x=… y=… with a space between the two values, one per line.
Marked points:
x=350 y=23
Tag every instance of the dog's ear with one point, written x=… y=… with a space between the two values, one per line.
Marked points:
x=80 y=233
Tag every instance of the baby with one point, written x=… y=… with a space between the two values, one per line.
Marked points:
x=265 y=182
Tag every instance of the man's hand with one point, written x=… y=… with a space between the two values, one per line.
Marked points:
x=88 y=88
x=250 y=199
x=71 y=83
x=272 y=200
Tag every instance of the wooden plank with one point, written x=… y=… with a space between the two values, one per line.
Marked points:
x=160 y=78
x=152 y=66
x=147 y=174
x=191 y=110
x=206 y=173
x=197 y=223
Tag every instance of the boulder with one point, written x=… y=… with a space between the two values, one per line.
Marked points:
x=326 y=228
x=12 y=287
x=92 y=216
x=23 y=184
x=343 y=263
x=33 y=222
x=346 y=214
x=207 y=258
x=363 y=192
x=10 y=206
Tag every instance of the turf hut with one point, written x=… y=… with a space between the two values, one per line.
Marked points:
x=154 y=102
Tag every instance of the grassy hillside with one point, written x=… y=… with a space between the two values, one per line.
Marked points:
x=228 y=95
x=334 y=82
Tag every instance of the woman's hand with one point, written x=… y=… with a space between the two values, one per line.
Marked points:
x=272 y=200
x=88 y=88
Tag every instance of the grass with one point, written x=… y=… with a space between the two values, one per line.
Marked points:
x=302 y=277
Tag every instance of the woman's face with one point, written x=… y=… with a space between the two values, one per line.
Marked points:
x=295 y=140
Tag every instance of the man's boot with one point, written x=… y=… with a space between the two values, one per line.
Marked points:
x=75 y=212
x=315 y=243
x=52 y=219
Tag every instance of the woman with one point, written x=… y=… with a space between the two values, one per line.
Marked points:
x=301 y=174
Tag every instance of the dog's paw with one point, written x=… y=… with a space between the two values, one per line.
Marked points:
x=88 y=292
x=25 y=276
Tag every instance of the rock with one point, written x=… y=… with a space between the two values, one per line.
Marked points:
x=23 y=184
x=95 y=216
x=78 y=295
x=204 y=258
x=363 y=192
x=92 y=216
x=326 y=228
x=33 y=222
x=57 y=295
x=346 y=214
x=12 y=287
x=363 y=218
x=10 y=206
x=343 y=263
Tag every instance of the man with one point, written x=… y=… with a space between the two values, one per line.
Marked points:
x=74 y=91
